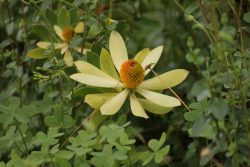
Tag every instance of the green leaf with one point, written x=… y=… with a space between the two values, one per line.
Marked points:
x=192 y=115
x=111 y=133
x=202 y=128
x=124 y=140
x=41 y=32
x=45 y=140
x=119 y=155
x=160 y=154
x=75 y=41
x=80 y=151
x=105 y=158
x=37 y=53
x=219 y=108
x=62 y=162
x=64 y=154
x=155 y=145
x=51 y=121
x=200 y=90
x=246 y=17
x=81 y=91
x=5 y=109
x=2 y=164
x=51 y=16
x=146 y=157
x=93 y=58
x=68 y=121
x=63 y=19
x=21 y=117
x=106 y=64
x=94 y=30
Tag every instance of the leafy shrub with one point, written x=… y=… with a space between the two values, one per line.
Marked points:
x=44 y=120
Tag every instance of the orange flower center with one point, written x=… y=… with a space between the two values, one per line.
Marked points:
x=67 y=33
x=131 y=74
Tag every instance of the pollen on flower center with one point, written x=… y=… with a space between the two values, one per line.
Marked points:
x=67 y=33
x=131 y=74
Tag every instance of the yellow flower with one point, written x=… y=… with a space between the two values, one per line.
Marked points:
x=131 y=83
x=65 y=35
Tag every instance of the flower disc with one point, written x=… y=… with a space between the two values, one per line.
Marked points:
x=131 y=74
x=67 y=33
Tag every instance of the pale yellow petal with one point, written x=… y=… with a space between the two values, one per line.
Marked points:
x=152 y=58
x=154 y=108
x=97 y=100
x=43 y=44
x=64 y=49
x=97 y=81
x=60 y=45
x=140 y=56
x=79 y=28
x=165 y=80
x=113 y=105
x=68 y=59
x=87 y=68
x=136 y=107
x=117 y=49
x=84 y=51
x=58 y=31
x=160 y=99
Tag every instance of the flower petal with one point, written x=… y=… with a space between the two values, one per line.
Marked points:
x=140 y=56
x=58 y=31
x=154 y=108
x=79 y=28
x=97 y=100
x=60 y=45
x=160 y=99
x=46 y=45
x=87 y=68
x=152 y=58
x=113 y=105
x=64 y=48
x=43 y=44
x=117 y=49
x=84 y=51
x=68 y=59
x=165 y=80
x=97 y=81
x=136 y=107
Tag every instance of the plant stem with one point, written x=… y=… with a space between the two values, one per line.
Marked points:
x=110 y=11
x=25 y=145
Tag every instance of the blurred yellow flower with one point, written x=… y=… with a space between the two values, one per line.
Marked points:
x=131 y=83
x=65 y=35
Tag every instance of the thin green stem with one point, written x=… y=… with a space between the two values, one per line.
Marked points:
x=18 y=147
x=8 y=10
x=195 y=21
x=110 y=11
x=25 y=145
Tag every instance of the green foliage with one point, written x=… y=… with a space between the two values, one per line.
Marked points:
x=44 y=120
